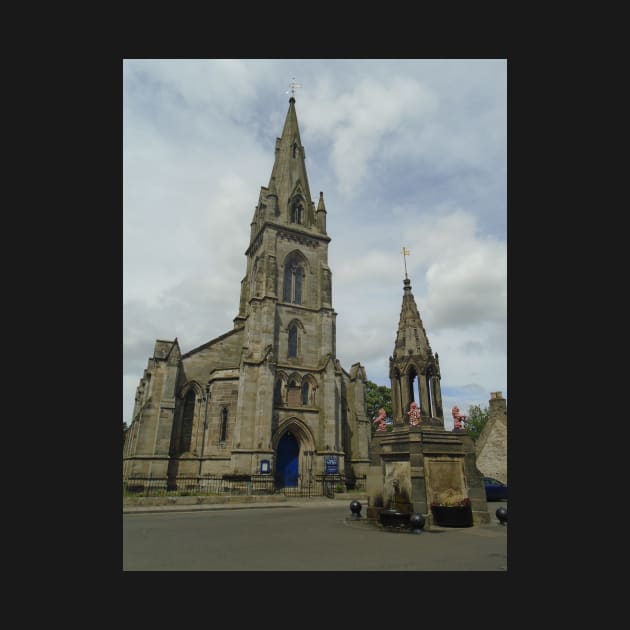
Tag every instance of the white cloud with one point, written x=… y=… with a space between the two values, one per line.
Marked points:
x=467 y=283
x=361 y=119
x=217 y=83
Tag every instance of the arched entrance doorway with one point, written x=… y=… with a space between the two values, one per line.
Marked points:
x=287 y=461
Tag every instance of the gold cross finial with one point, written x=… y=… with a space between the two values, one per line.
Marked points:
x=292 y=87
x=405 y=252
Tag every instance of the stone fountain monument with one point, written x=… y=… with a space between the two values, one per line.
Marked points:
x=419 y=463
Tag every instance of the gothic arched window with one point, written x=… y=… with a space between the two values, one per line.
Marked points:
x=187 y=421
x=293 y=341
x=305 y=389
x=293 y=280
x=224 y=419
x=297 y=212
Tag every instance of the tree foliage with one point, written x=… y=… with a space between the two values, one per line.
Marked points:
x=476 y=421
x=378 y=396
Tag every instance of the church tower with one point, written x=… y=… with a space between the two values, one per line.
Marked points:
x=289 y=374
x=413 y=370
x=268 y=396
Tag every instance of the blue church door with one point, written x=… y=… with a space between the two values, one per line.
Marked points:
x=287 y=461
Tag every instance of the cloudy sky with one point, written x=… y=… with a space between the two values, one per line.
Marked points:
x=407 y=152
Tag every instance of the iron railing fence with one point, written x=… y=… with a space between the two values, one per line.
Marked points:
x=317 y=486
x=207 y=485
x=356 y=482
x=148 y=485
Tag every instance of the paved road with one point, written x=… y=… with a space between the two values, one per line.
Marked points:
x=315 y=536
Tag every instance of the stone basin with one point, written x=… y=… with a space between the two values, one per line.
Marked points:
x=394 y=518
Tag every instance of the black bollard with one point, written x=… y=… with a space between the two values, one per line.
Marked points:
x=416 y=522
x=355 y=508
x=502 y=515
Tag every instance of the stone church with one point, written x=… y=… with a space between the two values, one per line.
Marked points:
x=268 y=397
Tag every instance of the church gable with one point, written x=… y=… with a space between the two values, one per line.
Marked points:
x=223 y=352
x=222 y=341
x=167 y=351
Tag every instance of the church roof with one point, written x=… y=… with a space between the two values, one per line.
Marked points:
x=210 y=343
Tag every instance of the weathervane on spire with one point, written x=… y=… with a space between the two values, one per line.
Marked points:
x=405 y=252
x=292 y=87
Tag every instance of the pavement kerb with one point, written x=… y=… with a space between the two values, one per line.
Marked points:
x=144 y=509
x=175 y=504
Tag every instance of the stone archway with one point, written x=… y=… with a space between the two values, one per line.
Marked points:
x=294 y=448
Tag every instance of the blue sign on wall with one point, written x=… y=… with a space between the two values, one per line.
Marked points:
x=264 y=467
x=331 y=464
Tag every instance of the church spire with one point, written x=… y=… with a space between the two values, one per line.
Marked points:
x=291 y=130
x=289 y=182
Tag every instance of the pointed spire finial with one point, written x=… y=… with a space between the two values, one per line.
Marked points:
x=292 y=87
x=405 y=252
x=320 y=204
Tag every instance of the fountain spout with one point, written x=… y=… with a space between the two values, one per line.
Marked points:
x=395 y=489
